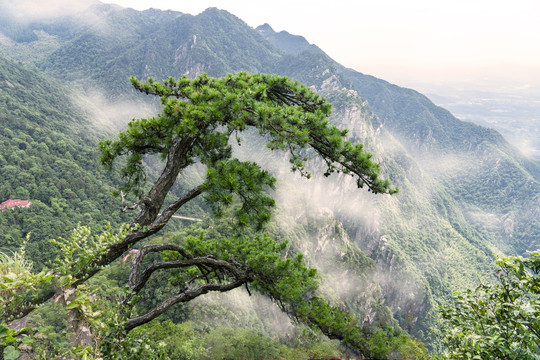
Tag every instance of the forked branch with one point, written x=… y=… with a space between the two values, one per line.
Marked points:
x=233 y=274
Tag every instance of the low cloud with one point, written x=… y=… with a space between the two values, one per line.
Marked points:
x=238 y=308
x=31 y=10
x=527 y=147
x=114 y=116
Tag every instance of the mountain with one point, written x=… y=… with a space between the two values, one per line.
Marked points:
x=49 y=156
x=465 y=193
x=467 y=159
x=291 y=44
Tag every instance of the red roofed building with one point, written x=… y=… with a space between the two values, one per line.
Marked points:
x=11 y=203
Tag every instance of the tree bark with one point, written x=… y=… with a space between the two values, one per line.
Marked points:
x=82 y=335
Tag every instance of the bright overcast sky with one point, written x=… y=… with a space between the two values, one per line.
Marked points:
x=373 y=35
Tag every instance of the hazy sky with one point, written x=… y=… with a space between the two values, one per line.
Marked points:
x=393 y=39
x=387 y=36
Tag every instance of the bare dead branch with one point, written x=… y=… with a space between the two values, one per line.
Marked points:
x=125 y=207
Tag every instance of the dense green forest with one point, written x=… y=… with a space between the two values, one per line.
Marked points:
x=49 y=156
x=466 y=196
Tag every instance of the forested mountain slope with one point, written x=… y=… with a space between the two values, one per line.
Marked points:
x=107 y=45
x=496 y=185
x=466 y=194
x=48 y=156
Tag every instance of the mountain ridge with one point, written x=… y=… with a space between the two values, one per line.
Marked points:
x=454 y=211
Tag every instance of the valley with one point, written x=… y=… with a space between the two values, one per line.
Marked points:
x=466 y=195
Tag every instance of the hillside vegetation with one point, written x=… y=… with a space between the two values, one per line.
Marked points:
x=48 y=156
x=466 y=195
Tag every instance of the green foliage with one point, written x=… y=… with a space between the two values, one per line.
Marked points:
x=203 y=113
x=215 y=150
x=50 y=330
x=245 y=179
x=179 y=341
x=106 y=316
x=49 y=158
x=8 y=338
x=185 y=342
x=18 y=283
x=227 y=343
x=387 y=343
x=112 y=340
x=158 y=43
x=284 y=278
x=199 y=116
x=294 y=288
x=81 y=248
x=15 y=265
x=500 y=320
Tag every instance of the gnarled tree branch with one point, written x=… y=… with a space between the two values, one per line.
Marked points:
x=241 y=273
x=137 y=281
